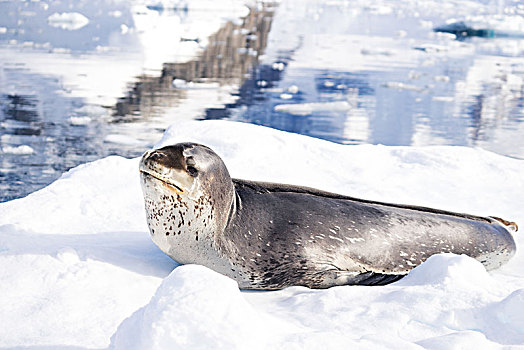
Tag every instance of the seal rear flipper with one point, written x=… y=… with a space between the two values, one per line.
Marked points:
x=510 y=225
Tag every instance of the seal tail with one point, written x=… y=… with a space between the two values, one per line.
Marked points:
x=510 y=225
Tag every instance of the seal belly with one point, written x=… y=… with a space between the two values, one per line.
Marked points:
x=311 y=239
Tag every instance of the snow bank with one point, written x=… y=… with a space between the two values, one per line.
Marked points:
x=79 y=268
x=184 y=313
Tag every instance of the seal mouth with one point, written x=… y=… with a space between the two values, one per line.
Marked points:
x=165 y=181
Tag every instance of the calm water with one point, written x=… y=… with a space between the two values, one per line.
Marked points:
x=58 y=106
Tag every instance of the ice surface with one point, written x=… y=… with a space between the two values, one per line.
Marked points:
x=78 y=266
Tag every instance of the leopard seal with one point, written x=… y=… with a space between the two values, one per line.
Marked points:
x=270 y=236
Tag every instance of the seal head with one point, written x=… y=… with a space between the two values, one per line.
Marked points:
x=188 y=196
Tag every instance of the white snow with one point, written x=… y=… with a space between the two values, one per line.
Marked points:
x=184 y=312
x=79 y=268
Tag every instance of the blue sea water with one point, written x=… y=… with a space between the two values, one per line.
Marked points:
x=450 y=102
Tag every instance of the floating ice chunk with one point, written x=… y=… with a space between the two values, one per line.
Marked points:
x=182 y=84
x=286 y=96
x=116 y=14
x=443 y=98
x=100 y=48
x=3 y=30
x=278 y=66
x=67 y=20
x=443 y=78
x=23 y=149
x=376 y=51
x=445 y=36
x=401 y=86
x=244 y=51
x=309 y=108
x=179 y=83
x=293 y=89
x=79 y=120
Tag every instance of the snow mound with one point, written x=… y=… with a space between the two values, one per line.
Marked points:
x=508 y=312
x=446 y=270
x=79 y=120
x=194 y=308
x=459 y=341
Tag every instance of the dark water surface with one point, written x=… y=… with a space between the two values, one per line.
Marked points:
x=49 y=125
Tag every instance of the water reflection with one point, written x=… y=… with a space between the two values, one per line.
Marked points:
x=45 y=129
x=469 y=93
x=21 y=108
x=379 y=112
x=230 y=54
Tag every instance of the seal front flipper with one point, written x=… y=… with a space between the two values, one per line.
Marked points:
x=368 y=278
x=376 y=279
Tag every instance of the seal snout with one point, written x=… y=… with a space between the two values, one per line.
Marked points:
x=156 y=156
x=168 y=157
x=170 y=166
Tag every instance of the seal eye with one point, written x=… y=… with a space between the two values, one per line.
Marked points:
x=192 y=170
